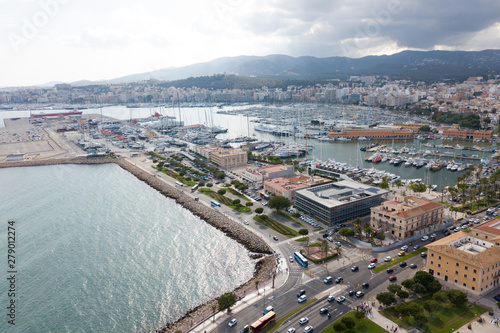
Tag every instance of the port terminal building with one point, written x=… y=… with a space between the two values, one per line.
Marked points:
x=455 y=132
x=375 y=133
x=339 y=202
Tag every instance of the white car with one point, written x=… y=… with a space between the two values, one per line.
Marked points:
x=404 y=247
x=308 y=329
x=302 y=298
x=291 y=259
x=387 y=259
x=425 y=238
x=291 y=330
x=372 y=265
x=340 y=299
x=232 y=322
x=303 y=320
x=245 y=222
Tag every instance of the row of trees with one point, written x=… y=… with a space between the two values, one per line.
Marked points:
x=361 y=228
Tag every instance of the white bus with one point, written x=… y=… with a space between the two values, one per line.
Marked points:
x=179 y=184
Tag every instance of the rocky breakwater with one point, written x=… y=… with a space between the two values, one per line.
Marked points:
x=264 y=268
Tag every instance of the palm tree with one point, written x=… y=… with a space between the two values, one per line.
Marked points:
x=338 y=250
x=325 y=247
x=257 y=286
x=214 y=308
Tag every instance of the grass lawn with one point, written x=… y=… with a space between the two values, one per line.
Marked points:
x=224 y=200
x=364 y=325
x=449 y=317
x=276 y=226
x=398 y=260
x=302 y=239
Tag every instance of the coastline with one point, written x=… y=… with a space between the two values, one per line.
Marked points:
x=253 y=243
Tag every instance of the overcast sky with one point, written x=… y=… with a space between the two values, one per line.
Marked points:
x=69 y=40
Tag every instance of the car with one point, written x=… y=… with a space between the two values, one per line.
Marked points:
x=330 y=298
x=301 y=292
x=388 y=258
x=340 y=299
x=268 y=309
x=424 y=238
x=390 y=271
x=328 y=279
x=404 y=247
x=351 y=292
x=339 y=279
x=291 y=259
x=232 y=322
x=354 y=268
x=245 y=329
x=447 y=233
x=275 y=238
x=365 y=285
x=401 y=253
x=330 y=239
x=360 y=294
x=245 y=222
x=291 y=330
x=308 y=329
x=497 y=298
x=264 y=204
x=338 y=244
x=403 y=264
x=392 y=278
x=433 y=236
x=323 y=311
x=413 y=266
x=325 y=235
x=374 y=260
x=372 y=266
x=302 y=298
x=416 y=247
x=423 y=254
x=303 y=320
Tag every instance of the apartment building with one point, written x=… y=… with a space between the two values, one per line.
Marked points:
x=466 y=262
x=226 y=158
x=287 y=187
x=406 y=216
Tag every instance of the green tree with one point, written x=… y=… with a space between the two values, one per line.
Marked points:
x=347 y=232
x=457 y=297
x=325 y=247
x=338 y=250
x=440 y=296
x=201 y=184
x=214 y=309
x=236 y=201
x=408 y=284
x=348 y=322
x=339 y=326
x=418 y=288
x=424 y=128
x=423 y=277
x=304 y=232
x=403 y=309
x=420 y=318
x=384 y=185
x=249 y=204
x=278 y=202
x=226 y=301
x=210 y=184
x=394 y=288
x=361 y=314
x=386 y=298
x=259 y=210
x=431 y=306
x=433 y=286
x=403 y=294
x=221 y=191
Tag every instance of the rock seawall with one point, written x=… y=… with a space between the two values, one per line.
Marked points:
x=264 y=268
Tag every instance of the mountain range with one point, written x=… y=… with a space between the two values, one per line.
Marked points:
x=412 y=65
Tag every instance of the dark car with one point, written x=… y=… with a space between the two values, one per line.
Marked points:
x=423 y=254
x=403 y=264
x=339 y=280
x=301 y=292
x=354 y=268
x=497 y=298
x=365 y=285
x=351 y=292
x=413 y=266
x=330 y=298
x=275 y=238
x=323 y=311
x=325 y=235
x=390 y=271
